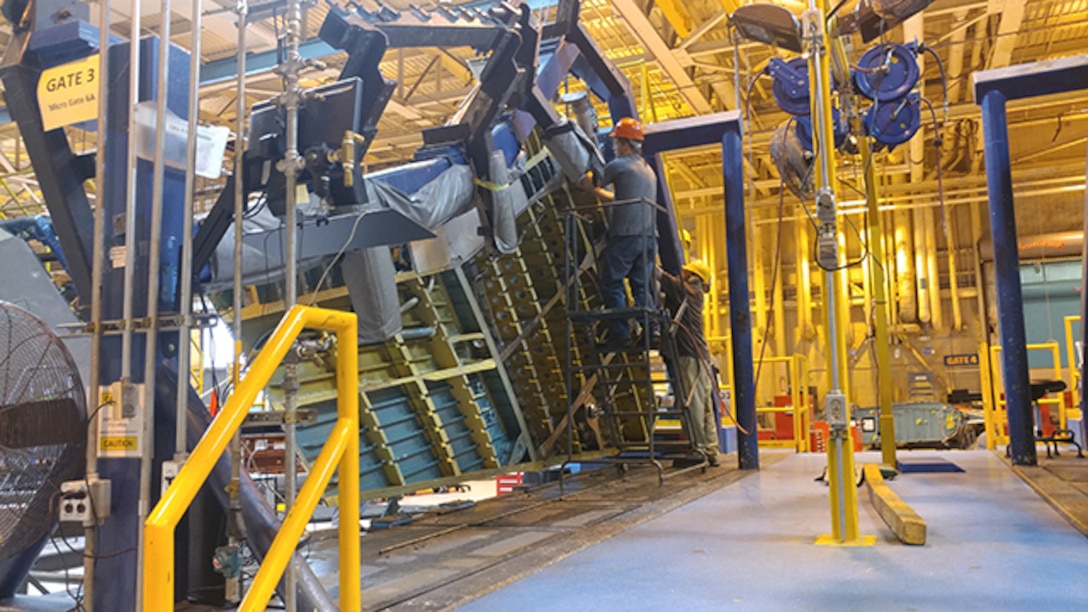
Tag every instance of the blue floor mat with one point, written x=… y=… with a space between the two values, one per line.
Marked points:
x=926 y=464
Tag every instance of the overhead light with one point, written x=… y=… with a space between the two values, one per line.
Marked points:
x=768 y=24
x=874 y=18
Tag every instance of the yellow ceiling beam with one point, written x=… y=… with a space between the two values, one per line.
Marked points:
x=730 y=5
x=677 y=16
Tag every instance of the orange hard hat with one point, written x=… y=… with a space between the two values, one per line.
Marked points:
x=628 y=128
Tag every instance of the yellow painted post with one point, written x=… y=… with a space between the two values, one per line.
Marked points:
x=347 y=407
x=1071 y=357
x=882 y=346
x=1001 y=418
x=989 y=409
x=840 y=451
x=798 y=408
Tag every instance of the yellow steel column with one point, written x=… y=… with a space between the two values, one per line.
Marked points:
x=347 y=387
x=840 y=452
x=882 y=347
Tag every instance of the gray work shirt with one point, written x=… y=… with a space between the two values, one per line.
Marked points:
x=632 y=179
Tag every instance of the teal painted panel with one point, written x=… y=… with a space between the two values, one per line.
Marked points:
x=1051 y=292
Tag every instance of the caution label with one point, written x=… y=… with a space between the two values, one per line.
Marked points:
x=962 y=360
x=118 y=444
x=68 y=94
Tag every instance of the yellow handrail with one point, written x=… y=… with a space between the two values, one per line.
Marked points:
x=999 y=415
x=1071 y=358
x=342 y=446
x=797 y=366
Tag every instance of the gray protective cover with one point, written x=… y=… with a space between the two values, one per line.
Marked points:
x=369 y=276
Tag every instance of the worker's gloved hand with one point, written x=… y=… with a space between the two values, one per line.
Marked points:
x=588 y=181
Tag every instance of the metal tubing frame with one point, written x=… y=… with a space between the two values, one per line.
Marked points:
x=342 y=446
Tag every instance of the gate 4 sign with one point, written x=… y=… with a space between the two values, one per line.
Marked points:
x=963 y=360
x=68 y=94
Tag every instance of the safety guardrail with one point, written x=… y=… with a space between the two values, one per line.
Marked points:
x=797 y=366
x=997 y=416
x=340 y=450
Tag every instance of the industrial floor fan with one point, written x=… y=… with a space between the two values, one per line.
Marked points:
x=43 y=430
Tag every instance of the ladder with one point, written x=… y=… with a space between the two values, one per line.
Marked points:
x=617 y=391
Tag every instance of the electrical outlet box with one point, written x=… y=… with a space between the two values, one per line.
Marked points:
x=835 y=409
x=170 y=471
x=85 y=501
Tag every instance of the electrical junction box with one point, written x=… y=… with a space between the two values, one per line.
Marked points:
x=121 y=420
x=85 y=501
x=170 y=471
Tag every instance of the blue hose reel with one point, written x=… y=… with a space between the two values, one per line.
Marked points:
x=804 y=129
x=895 y=122
x=790 y=86
x=887 y=72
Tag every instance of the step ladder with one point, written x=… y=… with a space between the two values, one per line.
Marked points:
x=621 y=389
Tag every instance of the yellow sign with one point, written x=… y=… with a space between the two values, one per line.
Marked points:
x=962 y=360
x=68 y=94
x=118 y=443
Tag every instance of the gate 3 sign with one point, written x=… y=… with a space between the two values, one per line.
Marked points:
x=68 y=94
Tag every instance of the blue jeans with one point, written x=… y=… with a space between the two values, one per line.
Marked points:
x=630 y=257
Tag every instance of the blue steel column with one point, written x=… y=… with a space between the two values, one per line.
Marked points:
x=668 y=234
x=1083 y=326
x=1010 y=305
x=736 y=249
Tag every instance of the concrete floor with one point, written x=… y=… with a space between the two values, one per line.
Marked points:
x=993 y=544
x=741 y=540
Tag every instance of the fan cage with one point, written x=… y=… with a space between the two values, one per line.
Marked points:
x=43 y=416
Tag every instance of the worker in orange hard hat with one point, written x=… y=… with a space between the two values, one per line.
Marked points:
x=632 y=222
x=685 y=297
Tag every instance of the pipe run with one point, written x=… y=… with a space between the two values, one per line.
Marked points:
x=90 y=531
x=235 y=535
x=291 y=164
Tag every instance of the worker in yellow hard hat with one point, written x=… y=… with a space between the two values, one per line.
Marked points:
x=685 y=296
x=632 y=221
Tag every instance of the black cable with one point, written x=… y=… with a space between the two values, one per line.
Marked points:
x=835 y=10
x=77 y=598
x=944 y=79
x=774 y=274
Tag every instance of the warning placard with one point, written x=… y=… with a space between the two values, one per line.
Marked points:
x=68 y=94
x=118 y=443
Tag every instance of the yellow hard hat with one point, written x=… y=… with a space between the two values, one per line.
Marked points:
x=699 y=268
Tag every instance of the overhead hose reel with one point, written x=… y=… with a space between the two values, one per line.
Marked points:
x=887 y=71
